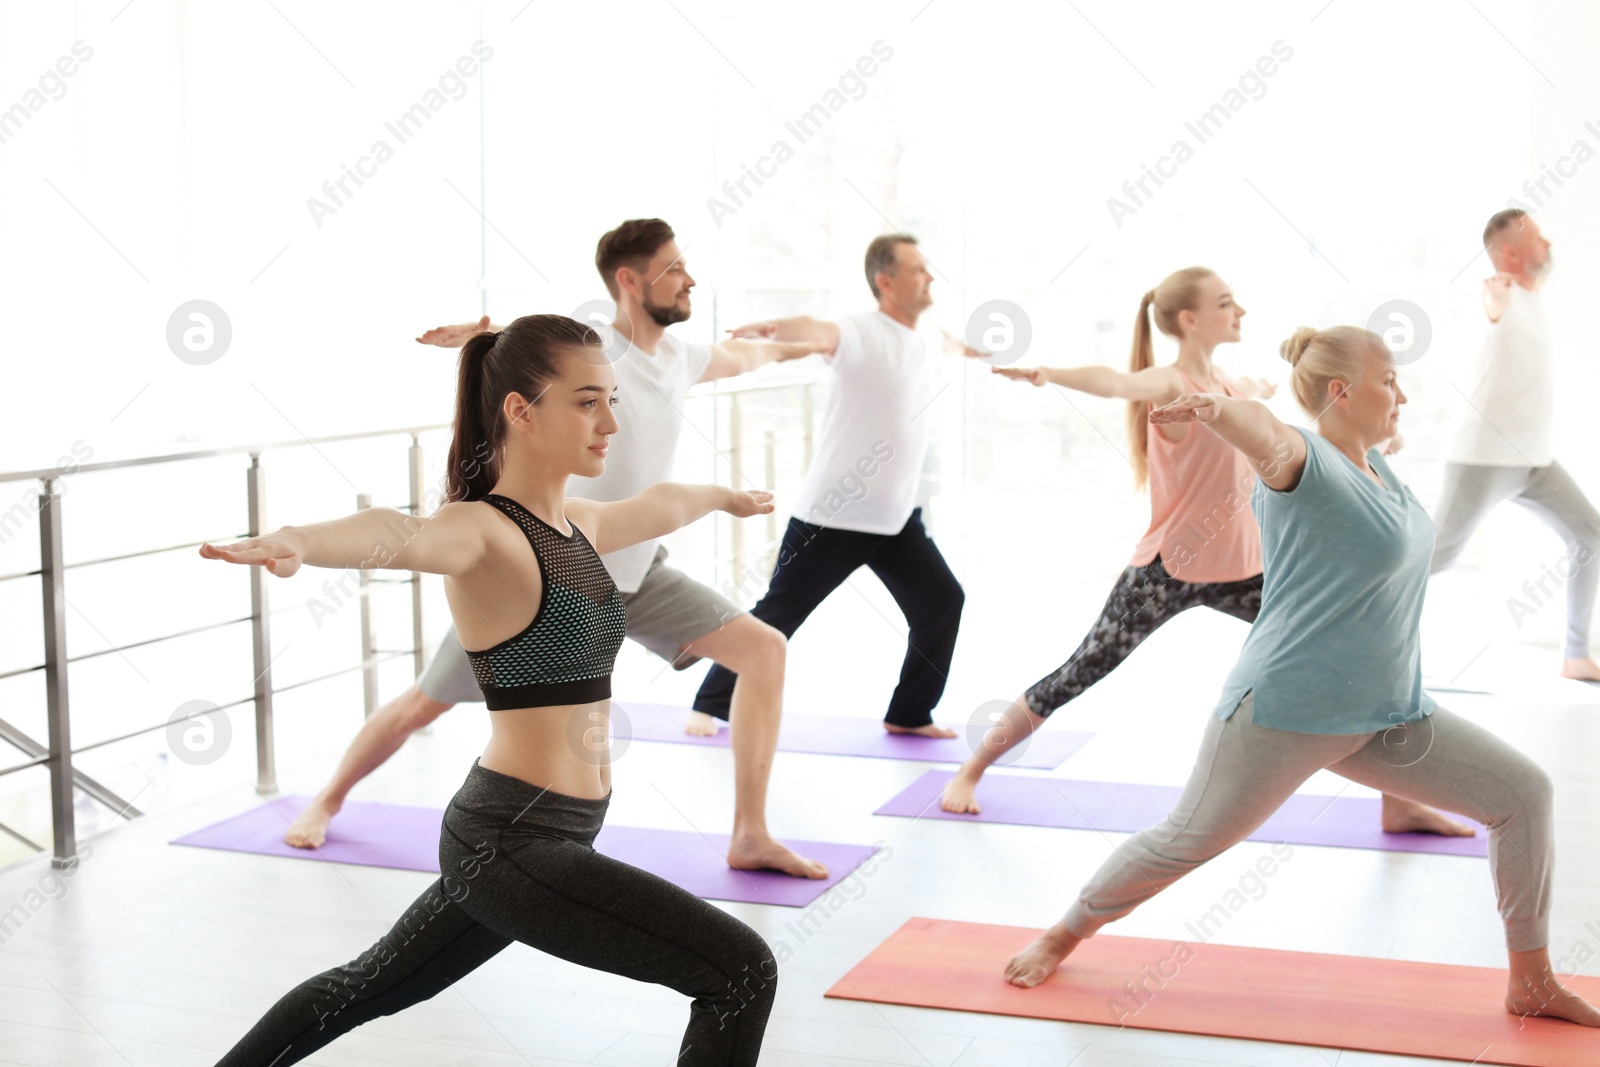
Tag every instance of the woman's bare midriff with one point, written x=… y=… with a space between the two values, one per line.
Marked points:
x=565 y=748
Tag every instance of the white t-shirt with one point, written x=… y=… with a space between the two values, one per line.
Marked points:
x=650 y=392
x=1513 y=392
x=867 y=469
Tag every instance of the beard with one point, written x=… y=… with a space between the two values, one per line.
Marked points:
x=1542 y=270
x=664 y=314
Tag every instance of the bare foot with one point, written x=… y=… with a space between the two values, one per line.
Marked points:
x=1582 y=670
x=960 y=795
x=765 y=854
x=1402 y=816
x=1551 y=999
x=933 y=729
x=699 y=724
x=310 y=827
x=1039 y=960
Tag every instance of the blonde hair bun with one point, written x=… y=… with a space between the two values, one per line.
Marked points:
x=1295 y=347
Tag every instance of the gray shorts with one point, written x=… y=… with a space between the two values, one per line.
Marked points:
x=669 y=610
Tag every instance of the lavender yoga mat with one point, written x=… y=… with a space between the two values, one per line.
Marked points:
x=368 y=834
x=838 y=735
x=1125 y=808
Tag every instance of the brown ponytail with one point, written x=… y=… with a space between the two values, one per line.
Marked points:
x=1178 y=291
x=523 y=358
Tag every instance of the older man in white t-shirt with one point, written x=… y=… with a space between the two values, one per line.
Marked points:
x=857 y=506
x=1502 y=450
x=671 y=614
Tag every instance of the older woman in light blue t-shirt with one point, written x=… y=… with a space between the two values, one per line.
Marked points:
x=1330 y=675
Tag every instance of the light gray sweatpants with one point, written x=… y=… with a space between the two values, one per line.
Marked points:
x=1245 y=772
x=1471 y=491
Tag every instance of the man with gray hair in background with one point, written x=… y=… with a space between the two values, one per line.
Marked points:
x=858 y=503
x=1503 y=449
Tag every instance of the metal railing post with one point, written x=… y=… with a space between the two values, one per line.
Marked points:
x=369 y=646
x=418 y=491
x=261 y=636
x=736 y=480
x=769 y=446
x=52 y=568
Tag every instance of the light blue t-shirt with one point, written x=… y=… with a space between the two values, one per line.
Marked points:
x=1336 y=648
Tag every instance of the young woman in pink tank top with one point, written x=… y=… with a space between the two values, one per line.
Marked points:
x=1202 y=548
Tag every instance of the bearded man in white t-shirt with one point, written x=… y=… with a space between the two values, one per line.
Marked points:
x=858 y=505
x=1502 y=450
x=671 y=614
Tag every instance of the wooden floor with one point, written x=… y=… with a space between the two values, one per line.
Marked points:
x=160 y=955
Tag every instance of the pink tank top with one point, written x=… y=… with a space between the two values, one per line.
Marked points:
x=1200 y=518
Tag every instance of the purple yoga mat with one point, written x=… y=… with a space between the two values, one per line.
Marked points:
x=1125 y=808
x=839 y=735
x=367 y=834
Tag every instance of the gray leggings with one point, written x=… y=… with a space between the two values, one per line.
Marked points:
x=1245 y=772
x=1471 y=491
x=519 y=865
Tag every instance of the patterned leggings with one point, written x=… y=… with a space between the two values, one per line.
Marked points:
x=1144 y=598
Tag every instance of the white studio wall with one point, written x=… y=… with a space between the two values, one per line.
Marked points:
x=338 y=178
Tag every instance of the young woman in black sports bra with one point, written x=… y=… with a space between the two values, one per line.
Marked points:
x=527 y=589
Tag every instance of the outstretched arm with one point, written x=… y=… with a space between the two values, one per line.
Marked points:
x=1153 y=384
x=952 y=343
x=1276 y=451
x=1497 y=295
x=1254 y=388
x=451 y=541
x=820 y=333
x=737 y=356
x=658 y=511
x=456 y=336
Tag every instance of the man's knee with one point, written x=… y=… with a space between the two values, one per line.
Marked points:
x=417 y=709
x=1445 y=553
x=944 y=607
x=762 y=649
x=1584 y=547
x=771 y=645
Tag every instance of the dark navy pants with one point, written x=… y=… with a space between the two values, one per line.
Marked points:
x=813 y=561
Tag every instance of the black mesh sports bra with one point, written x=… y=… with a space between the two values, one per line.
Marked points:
x=566 y=653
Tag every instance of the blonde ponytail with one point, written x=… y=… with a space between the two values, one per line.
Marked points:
x=1178 y=292
x=1142 y=357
